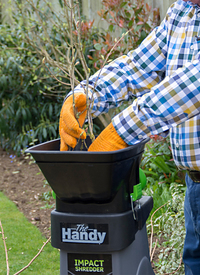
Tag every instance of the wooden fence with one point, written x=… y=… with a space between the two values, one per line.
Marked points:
x=90 y=8
x=163 y=5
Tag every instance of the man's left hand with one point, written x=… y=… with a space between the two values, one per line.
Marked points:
x=108 y=140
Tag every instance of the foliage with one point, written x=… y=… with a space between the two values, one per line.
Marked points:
x=165 y=183
x=23 y=241
x=161 y=171
x=33 y=87
x=132 y=20
x=30 y=98
x=171 y=228
x=47 y=197
x=26 y=111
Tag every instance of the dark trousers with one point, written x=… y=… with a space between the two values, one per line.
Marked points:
x=191 y=251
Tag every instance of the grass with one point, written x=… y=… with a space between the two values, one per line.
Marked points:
x=24 y=241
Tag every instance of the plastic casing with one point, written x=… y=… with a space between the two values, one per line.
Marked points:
x=79 y=176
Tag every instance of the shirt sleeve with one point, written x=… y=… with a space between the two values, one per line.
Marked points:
x=169 y=103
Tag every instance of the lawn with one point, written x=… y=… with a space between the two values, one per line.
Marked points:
x=24 y=241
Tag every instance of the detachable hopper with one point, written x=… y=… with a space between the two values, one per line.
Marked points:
x=82 y=176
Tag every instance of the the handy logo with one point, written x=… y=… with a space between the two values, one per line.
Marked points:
x=81 y=233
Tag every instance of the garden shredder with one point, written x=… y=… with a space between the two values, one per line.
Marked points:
x=99 y=223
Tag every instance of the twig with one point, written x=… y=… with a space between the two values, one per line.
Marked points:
x=151 y=239
x=64 y=83
x=5 y=247
x=110 y=52
x=154 y=249
x=33 y=257
x=106 y=59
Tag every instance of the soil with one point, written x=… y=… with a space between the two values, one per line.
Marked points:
x=23 y=183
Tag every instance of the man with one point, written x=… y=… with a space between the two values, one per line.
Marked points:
x=162 y=77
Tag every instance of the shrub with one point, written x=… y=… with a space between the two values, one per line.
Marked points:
x=171 y=228
x=161 y=171
x=166 y=184
x=26 y=110
x=130 y=20
x=35 y=62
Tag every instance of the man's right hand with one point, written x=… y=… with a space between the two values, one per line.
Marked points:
x=69 y=125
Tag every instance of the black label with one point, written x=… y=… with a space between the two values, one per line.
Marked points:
x=85 y=264
x=84 y=233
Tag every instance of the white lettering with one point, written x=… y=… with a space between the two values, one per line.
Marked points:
x=83 y=236
x=93 y=235
x=75 y=235
x=66 y=235
x=71 y=235
x=101 y=236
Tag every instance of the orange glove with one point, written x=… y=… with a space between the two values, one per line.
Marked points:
x=108 y=140
x=69 y=126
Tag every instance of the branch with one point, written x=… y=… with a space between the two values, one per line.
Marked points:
x=66 y=84
x=151 y=239
x=154 y=249
x=5 y=247
x=34 y=257
x=107 y=57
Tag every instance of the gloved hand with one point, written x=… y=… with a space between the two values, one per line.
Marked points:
x=108 y=140
x=69 y=128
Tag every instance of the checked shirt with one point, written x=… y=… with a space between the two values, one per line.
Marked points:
x=162 y=78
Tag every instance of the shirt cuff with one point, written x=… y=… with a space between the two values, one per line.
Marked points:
x=76 y=90
x=129 y=127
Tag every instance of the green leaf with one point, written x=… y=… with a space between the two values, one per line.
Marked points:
x=24 y=113
x=137 y=28
x=53 y=131
x=123 y=4
x=44 y=133
x=127 y=14
x=130 y=24
x=98 y=46
x=8 y=62
x=143 y=34
x=3 y=81
x=111 y=27
x=50 y=110
x=147 y=27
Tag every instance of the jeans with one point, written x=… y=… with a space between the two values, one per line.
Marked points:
x=191 y=250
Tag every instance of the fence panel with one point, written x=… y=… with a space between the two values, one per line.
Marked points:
x=90 y=8
x=163 y=5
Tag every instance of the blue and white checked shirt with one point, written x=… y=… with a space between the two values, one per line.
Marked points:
x=162 y=77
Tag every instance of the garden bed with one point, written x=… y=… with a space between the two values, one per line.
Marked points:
x=23 y=183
